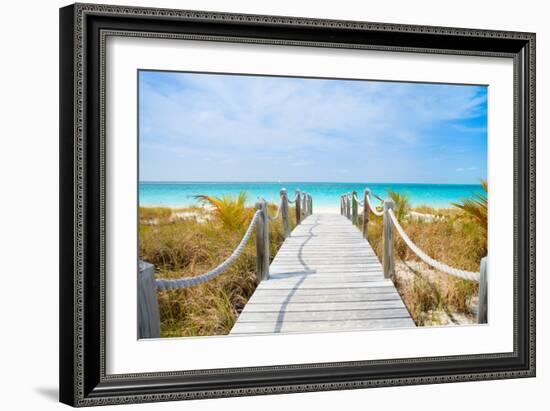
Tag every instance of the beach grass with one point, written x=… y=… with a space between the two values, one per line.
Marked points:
x=454 y=238
x=187 y=242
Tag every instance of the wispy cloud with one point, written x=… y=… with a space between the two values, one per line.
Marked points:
x=470 y=129
x=461 y=169
x=299 y=122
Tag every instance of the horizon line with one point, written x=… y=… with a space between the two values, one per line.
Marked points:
x=288 y=181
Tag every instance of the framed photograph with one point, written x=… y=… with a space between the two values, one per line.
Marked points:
x=262 y=204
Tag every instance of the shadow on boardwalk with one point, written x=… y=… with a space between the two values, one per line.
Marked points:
x=325 y=277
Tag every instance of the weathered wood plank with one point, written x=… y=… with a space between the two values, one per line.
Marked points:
x=322 y=262
x=301 y=285
x=318 y=250
x=319 y=326
x=330 y=278
x=325 y=315
x=285 y=212
x=326 y=281
x=388 y=258
x=324 y=306
x=326 y=277
x=323 y=274
x=325 y=271
x=293 y=292
x=335 y=298
x=262 y=242
x=148 y=307
x=279 y=298
x=311 y=267
x=482 y=304
x=323 y=258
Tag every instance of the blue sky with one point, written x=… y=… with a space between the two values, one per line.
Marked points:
x=210 y=127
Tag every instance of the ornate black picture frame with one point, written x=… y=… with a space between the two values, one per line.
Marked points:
x=83 y=30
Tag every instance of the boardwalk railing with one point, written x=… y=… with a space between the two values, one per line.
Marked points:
x=350 y=201
x=148 y=309
x=303 y=203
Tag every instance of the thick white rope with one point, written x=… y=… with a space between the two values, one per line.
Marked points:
x=373 y=209
x=172 y=284
x=467 y=275
x=360 y=202
x=299 y=199
x=276 y=216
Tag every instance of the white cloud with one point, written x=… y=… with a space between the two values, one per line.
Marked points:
x=301 y=163
x=277 y=123
x=461 y=169
x=274 y=113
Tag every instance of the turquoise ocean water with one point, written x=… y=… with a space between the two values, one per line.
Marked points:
x=180 y=194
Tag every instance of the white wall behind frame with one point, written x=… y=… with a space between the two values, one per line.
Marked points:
x=29 y=172
x=127 y=355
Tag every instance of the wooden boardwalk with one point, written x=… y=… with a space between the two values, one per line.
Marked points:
x=325 y=277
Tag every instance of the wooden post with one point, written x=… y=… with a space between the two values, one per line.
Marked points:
x=304 y=205
x=354 y=207
x=366 y=214
x=284 y=212
x=389 y=265
x=148 y=306
x=298 y=204
x=348 y=206
x=344 y=206
x=341 y=205
x=482 y=305
x=310 y=204
x=262 y=242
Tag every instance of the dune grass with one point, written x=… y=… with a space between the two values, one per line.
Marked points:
x=402 y=204
x=458 y=238
x=190 y=241
x=187 y=242
x=425 y=209
x=228 y=210
x=151 y=215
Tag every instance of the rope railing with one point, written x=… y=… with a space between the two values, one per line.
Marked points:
x=349 y=204
x=298 y=205
x=148 y=285
x=466 y=275
x=373 y=208
x=345 y=207
x=276 y=216
x=304 y=205
x=185 y=282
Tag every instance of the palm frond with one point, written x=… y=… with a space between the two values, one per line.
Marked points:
x=402 y=204
x=229 y=210
x=476 y=207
